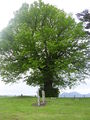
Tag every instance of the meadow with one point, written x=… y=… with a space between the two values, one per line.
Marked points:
x=22 y=108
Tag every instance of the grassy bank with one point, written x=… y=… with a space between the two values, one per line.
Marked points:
x=21 y=108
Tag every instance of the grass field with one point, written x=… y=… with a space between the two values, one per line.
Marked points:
x=21 y=108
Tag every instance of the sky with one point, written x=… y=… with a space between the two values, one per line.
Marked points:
x=7 y=8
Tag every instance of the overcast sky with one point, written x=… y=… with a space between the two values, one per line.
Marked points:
x=7 y=7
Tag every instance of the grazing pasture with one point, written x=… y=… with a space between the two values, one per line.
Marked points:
x=23 y=108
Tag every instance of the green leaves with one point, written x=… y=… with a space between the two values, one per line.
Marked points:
x=48 y=41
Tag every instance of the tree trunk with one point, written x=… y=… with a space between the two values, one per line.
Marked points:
x=50 y=91
x=48 y=87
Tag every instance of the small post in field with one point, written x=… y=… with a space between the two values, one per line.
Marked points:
x=43 y=96
x=38 y=98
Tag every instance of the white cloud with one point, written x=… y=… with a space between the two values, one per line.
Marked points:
x=17 y=89
x=83 y=88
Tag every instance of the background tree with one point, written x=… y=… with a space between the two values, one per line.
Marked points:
x=44 y=46
x=84 y=16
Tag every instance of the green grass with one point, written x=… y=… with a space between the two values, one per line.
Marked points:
x=21 y=108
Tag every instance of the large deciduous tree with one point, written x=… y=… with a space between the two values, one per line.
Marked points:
x=44 y=46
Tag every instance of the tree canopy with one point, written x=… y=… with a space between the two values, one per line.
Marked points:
x=44 y=46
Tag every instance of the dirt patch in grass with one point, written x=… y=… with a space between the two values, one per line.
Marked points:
x=41 y=104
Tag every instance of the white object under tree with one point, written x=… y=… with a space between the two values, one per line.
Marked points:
x=43 y=96
x=38 y=98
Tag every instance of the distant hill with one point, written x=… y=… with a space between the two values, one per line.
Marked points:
x=74 y=94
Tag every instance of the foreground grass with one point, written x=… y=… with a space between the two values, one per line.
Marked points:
x=21 y=108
